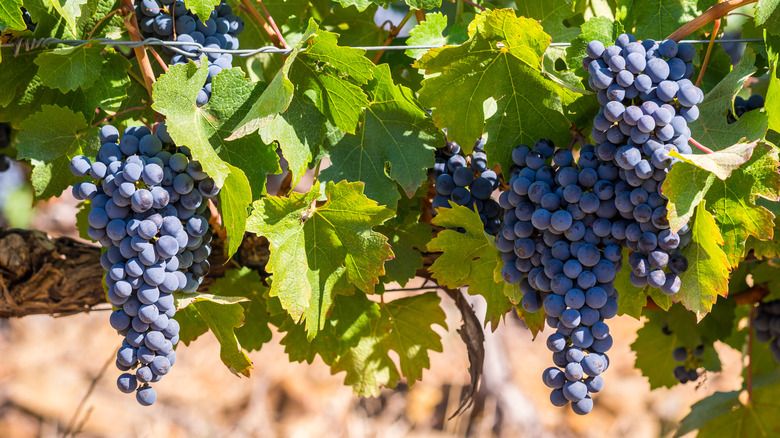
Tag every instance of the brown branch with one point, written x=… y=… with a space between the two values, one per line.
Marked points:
x=275 y=28
x=715 y=29
x=717 y=11
x=43 y=275
x=247 y=7
x=119 y=113
x=131 y=24
x=393 y=33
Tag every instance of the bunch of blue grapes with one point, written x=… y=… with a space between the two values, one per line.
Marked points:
x=148 y=206
x=690 y=359
x=767 y=325
x=171 y=20
x=741 y=106
x=467 y=181
x=647 y=100
x=558 y=242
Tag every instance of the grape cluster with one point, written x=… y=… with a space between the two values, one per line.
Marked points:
x=690 y=359
x=5 y=141
x=741 y=106
x=767 y=325
x=558 y=243
x=171 y=20
x=647 y=101
x=148 y=207
x=467 y=181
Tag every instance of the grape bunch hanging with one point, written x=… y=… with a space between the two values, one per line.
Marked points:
x=171 y=20
x=466 y=181
x=148 y=207
x=767 y=325
x=647 y=100
x=557 y=242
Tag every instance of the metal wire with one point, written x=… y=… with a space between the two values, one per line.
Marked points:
x=194 y=49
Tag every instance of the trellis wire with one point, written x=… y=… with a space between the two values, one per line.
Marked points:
x=175 y=46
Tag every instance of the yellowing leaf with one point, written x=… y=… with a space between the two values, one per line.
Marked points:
x=722 y=162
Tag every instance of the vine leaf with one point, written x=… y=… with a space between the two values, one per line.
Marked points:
x=653 y=349
x=234 y=200
x=202 y=8
x=205 y=129
x=708 y=266
x=721 y=163
x=711 y=128
x=407 y=236
x=429 y=33
x=247 y=283
x=50 y=138
x=403 y=326
x=395 y=143
x=471 y=259
x=69 y=10
x=685 y=186
x=222 y=320
x=183 y=300
x=320 y=251
x=734 y=202
x=11 y=15
x=553 y=15
x=479 y=85
x=768 y=15
x=70 y=68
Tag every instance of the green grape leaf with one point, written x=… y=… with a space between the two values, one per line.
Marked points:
x=708 y=266
x=247 y=283
x=234 y=200
x=69 y=10
x=191 y=325
x=766 y=249
x=724 y=415
x=319 y=251
x=407 y=237
x=202 y=8
x=772 y=103
x=350 y=317
x=711 y=128
x=204 y=129
x=429 y=33
x=11 y=16
x=50 y=138
x=721 y=163
x=331 y=76
x=109 y=90
x=554 y=15
x=479 y=85
x=768 y=15
x=534 y=321
x=685 y=186
x=734 y=202
x=183 y=300
x=70 y=68
x=470 y=258
x=657 y=19
x=81 y=220
x=653 y=349
x=222 y=320
x=395 y=143
x=18 y=71
x=404 y=326
x=298 y=131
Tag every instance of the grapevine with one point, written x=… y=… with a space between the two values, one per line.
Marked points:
x=571 y=163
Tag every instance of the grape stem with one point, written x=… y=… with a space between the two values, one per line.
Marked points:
x=469 y=2
x=715 y=12
x=102 y=20
x=700 y=146
x=715 y=29
x=393 y=33
x=131 y=24
x=247 y=7
x=271 y=21
x=129 y=110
